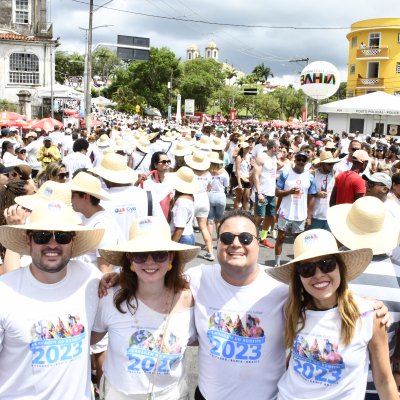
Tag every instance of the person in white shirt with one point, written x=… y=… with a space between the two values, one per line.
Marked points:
x=78 y=159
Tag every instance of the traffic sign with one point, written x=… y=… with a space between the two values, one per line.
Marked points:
x=250 y=91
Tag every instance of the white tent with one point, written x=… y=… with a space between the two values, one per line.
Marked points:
x=59 y=91
x=102 y=101
x=373 y=112
x=372 y=103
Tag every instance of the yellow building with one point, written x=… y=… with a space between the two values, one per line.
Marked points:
x=374 y=57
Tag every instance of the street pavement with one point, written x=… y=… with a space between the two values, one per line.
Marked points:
x=266 y=257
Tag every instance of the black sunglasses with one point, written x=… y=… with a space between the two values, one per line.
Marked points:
x=353 y=149
x=307 y=270
x=245 y=238
x=164 y=162
x=140 y=258
x=63 y=175
x=44 y=237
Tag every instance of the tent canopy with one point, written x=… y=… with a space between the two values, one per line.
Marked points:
x=372 y=103
x=102 y=101
x=60 y=91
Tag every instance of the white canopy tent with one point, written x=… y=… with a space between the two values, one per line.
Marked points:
x=102 y=101
x=377 y=111
x=59 y=91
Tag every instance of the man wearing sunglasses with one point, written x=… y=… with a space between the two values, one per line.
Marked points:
x=347 y=162
x=47 y=309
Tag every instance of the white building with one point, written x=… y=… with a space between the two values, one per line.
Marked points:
x=27 y=49
x=211 y=51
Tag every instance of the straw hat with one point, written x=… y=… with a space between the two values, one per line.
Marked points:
x=86 y=183
x=317 y=243
x=143 y=144
x=244 y=145
x=203 y=143
x=327 y=157
x=198 y=161
x=103 y=141
x=330 y=145
x=214 y=158
x=121 y=145
x=181 y=149
x=365 y=223
x=187 y=139
x=168 y=136
x=217 y=144
x=183 y=180
x=51 y=216
x=49 y=191
x=113 y=168
x=146 y=235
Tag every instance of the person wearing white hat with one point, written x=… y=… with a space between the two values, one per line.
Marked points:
x=149 y=316
x=141 y=156
x=339 y=332
x=242 y=172
x=47 y=309
x=367 y=223
x=32 y=148
x=127 y=201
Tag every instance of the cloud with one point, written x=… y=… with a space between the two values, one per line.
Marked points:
x=242 y=47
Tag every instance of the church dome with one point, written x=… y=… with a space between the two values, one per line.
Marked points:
x=212 y=45
x=193 y=47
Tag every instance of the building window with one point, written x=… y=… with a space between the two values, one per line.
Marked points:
x=374 y=39
x=398 y=68
x=22 y=11
x=352 y=69
x=190 y=56
x=354 y=42
x=215 y=54
x=398 y=38
x=24 y=68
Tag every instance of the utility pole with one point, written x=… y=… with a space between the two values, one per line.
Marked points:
x=306 y=60
x=170 y=97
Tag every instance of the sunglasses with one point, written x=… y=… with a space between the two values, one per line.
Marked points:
x=301 y=159
x=63 y=175
x=353 y=149
x=307 y=270
x=164 y=162
x=140 y=258
x=44 y=237
x=245 y=238
x=22 y=152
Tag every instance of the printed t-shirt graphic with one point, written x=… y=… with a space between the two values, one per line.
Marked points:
x=56 y=341
x=234 y=339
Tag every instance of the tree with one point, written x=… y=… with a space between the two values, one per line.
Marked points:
x=104 y=62
x=262 y=73
x=229 y=73
x=68 y=65
x=290 y=101
x=201 y=77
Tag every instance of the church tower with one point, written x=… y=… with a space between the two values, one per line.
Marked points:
x=192 y=52
x=212 y=51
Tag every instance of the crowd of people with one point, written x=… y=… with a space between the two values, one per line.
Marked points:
x=97 y=228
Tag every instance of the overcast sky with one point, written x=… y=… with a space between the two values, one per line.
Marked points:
x=242 y=47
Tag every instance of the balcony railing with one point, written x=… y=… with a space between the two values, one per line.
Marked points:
x=44 y=29
x=373 y=52
x=370 y=82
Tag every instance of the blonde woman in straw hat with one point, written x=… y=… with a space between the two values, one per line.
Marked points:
x=332 y=333
x=182 y=205
x=148 y=317
x=200 y=163
x=48 y=308
x=216 y=195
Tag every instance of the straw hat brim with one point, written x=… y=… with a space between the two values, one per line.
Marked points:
x=332 y=160
x=116 y=255
x=216 y=161
x=13 y=237
x=199 y=166
x=382 y=241
x=125 y=176
x=167 y=138
x=143 y=149
x=103 y=143
x=102 y=195
x=203 y=146
x=182 y=153
x=180 y=185
x=356 y=261
x=217 y=147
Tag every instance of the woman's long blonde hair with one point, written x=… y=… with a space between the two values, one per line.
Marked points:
x=299 y=300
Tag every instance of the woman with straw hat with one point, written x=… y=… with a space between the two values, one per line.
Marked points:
x=332 y=333
x=200 y=163
x=182 y=205
x=149 y=316
x=216 y=195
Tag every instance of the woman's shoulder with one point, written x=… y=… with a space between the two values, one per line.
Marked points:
x=184 y=301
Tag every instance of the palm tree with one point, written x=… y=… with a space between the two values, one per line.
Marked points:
x=229 y=74
x=262 y=72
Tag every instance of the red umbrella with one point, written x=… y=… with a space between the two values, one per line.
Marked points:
x=4 y=115
x=47 y=124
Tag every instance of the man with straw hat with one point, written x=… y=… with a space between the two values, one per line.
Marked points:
x=47 y=309
x=366 y=223
x=127 y=202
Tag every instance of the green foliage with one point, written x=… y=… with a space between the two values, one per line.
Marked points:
x=6 y=105
x=201 y=77
x=104 y=62
x=290 y=101
x=68 y=65
x=261 y=72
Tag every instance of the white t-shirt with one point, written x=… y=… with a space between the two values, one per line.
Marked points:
x=268 y=174
x=258 y=149
x=240 y=333
x=31 y=154
x=45 y=334
x=138 y=164
x=323 y=182
x=219 y=182
x=182 y=215
x=76 y=160
x=128 y=203
x=322 y=368
x=134 y=343
x=112 y=234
